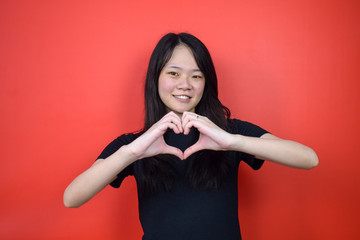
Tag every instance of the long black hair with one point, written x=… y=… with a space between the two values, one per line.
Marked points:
x=211 y=169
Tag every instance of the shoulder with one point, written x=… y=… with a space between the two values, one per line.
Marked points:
x=126 y=138
x=118 y=143
x=237 y=126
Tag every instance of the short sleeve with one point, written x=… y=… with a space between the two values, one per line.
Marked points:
x=112 y=148
x=251 y=130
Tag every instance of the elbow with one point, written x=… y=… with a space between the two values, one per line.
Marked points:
x=69 y=204
x=313 y=160
x=68 y=201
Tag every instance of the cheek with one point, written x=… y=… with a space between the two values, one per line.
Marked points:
x=200 y=88
x=164 y=87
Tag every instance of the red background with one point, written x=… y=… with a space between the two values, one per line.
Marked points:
x=72 y=79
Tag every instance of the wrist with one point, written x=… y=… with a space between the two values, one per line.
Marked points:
x=126 y=154
x=236 y=142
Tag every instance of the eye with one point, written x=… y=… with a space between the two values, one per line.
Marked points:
x=197 y=76
x=172 y=73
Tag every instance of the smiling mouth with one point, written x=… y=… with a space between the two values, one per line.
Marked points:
x=182 y=97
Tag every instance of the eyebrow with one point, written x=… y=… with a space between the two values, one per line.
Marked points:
x=177 y=67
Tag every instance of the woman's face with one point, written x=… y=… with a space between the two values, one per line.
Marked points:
x=181 y=83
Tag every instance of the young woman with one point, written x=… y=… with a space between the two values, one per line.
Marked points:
x=185 y=160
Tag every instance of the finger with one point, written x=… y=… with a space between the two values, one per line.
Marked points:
x=191 y=123
x=187 y=127
x=185 y=119
x=174 y=151
x=172 y=126
x=175 y=128
x=172 y=117
x=187 y=116
x=189 y=120
x=192 y=149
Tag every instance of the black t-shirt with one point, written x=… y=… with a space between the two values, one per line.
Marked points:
x=187 y=212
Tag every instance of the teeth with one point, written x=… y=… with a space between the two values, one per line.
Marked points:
x=182 y=97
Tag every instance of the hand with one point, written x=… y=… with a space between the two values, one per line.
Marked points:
x=152 y=142
x=211 y=136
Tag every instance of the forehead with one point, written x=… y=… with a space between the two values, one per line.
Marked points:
x=182 y=57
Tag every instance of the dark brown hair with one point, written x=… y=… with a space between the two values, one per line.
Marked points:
x=157 y=171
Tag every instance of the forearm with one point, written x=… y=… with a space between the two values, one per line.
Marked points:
x=97 y=177
x=271 y=148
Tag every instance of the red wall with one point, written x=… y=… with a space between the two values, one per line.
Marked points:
x=72 y=75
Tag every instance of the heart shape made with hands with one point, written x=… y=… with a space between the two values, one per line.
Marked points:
x=181 y=141
x=199 y=133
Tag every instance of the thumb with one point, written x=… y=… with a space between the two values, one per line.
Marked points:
x=174 y=151
x=192 y=149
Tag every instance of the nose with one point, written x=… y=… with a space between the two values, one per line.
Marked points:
x=184 y=83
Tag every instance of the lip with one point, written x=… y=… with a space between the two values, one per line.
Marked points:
x=182 y=97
